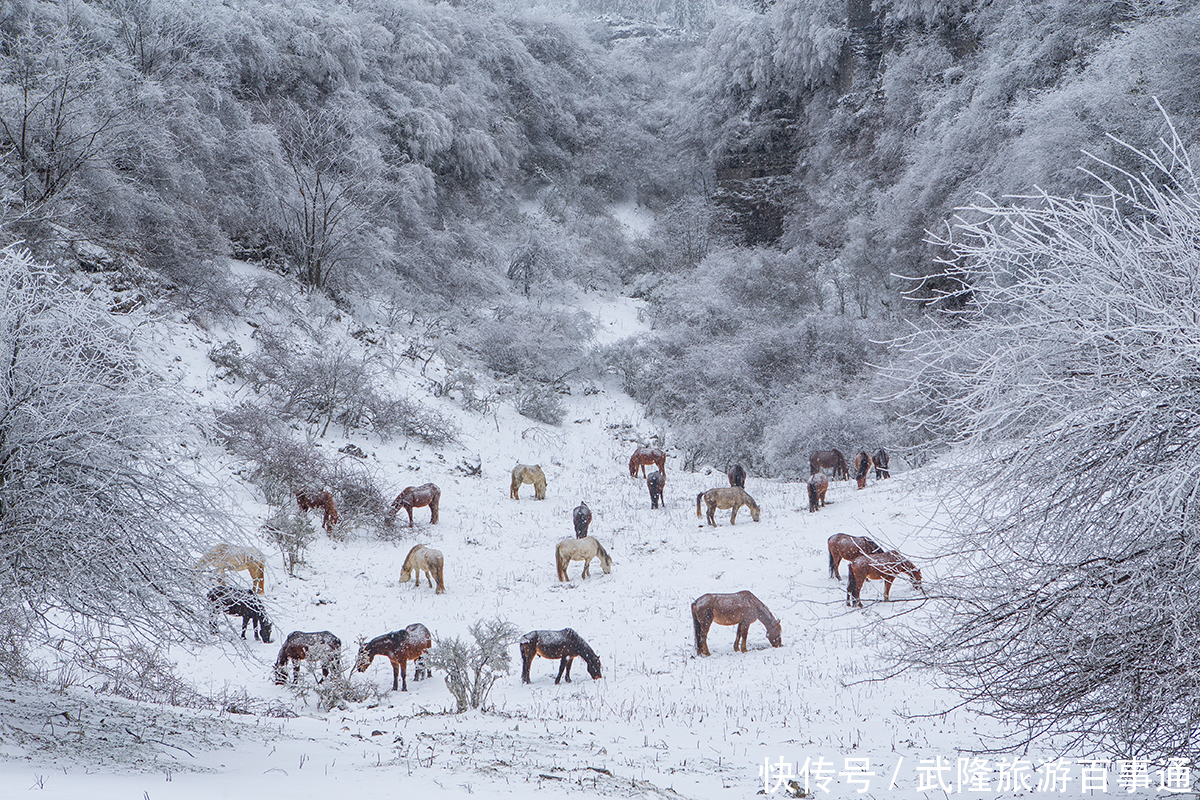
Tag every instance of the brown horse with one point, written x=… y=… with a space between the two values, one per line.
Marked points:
x=564 y=645
x=582 y=519
x=862 y=465
x=655 y=482
x=647 y=456
x=818 y=485
x=524 y=473
x=881 y=464
x=399 y=647
x=742 y=609
x=224 y=556
x=879 y=566
x=418 y=497
x=833 y=460
x=722 y=497
x=322 y=647
x=844 y=547
x=309 y=499
x=423 y=558
x=737 y=476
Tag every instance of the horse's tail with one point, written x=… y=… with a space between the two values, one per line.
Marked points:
x=438 y=566
x=812 y=506
x=331 y=510
x=516 y=484
x=698 y=498
x=698 y=629
x=433 y=506
x=559 y=563
x=831 y=564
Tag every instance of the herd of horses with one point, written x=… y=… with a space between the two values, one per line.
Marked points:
x=865 y=561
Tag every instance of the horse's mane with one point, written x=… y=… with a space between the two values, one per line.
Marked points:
x=764 y=613
x=411 y=557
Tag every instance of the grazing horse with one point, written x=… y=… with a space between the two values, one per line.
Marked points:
x=741 y=609
x=582 y=517
x=322 y=647
x=655 y=482
x=644 y=457
x=818 y=485
x=423 y=558
x=523 y=473
x=844 y=547
x=309 y=499
x=565 y=645
x=418 y=497
x=721 y=497
x=879 y=566
x=862 y=465
x=737 y=476
x=398 y=646
x=881 y=464
x=833 y=460
x=245 y=604
x=584 y=550
x=224 y=556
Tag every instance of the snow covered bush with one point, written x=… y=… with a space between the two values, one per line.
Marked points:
x=472 y=668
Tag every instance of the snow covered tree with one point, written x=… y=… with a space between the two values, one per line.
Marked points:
x=1069 y=372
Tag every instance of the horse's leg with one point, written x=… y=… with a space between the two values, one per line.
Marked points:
x=245 y=619
x=733 y=516
x=587 y=563
x=712 y=509
x=410 y=518
x=562 y=667
x=743 y=633
x=570 y=660
x=887 y=586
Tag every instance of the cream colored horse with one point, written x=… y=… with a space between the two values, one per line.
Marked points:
x=584 y=550
x=224 y=556
x=424 y=559
x=524 y=473
x=726 y=497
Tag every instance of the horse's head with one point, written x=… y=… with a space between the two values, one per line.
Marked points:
x=754 y=512
x=364 y=658
x=593 y=666
x=264 y=630
x=775 y=634
x=915 y=574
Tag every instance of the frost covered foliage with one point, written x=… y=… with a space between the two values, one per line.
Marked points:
x=1072 y=605
x=473 y=667
x=96 y=508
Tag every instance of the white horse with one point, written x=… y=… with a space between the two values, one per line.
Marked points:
x=584 y=550
x=423 y=558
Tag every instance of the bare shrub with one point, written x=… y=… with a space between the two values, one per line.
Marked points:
x=292 y=531
x=542 y=404
x=473 y=668
x=391 y=416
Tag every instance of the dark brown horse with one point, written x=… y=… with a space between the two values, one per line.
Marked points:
x=418 y=497
x=881 y=464
x=399 y=647
x=818 y=485
x=655 y=482
x=309 y=499
x=832 y=460
x=844 y=547
x=647 y=456
x=582 y=518
x=879 y=566
x=565 y=645
x=737 y=476
x=742 y=609
x=242 y=603
x=300 y=646
x=862 y=465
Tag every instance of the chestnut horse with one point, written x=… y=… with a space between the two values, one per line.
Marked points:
x=844 y=547
x=862 y=465
x=833 y=460
x=879 y=566
x=418 y=497
x=655 y=482
x=224 y=556
x=582 y=518
x=565 y=645
x=584 y=550
x=309 y=499
x=818 y=485
x=742 y=609
x=737 y=476
x=524 y=473
x=721 y=497
x=322 y=646
x=399 y=647
x=245 y=604
x=647 y=456
x=881 y=464
x=423 y=558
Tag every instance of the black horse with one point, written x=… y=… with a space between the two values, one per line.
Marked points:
x=245 y=604
x=582 y=519
x=881 y=464
x=300 y=646
x=737 y=476
x=655 y=482
x=564 y=644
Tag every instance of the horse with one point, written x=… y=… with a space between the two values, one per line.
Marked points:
x=523 y=473
x=844 y=547
x=644 y=457
x=862 y=465
x=299 y=646
x=245 y=604
x=309 y=499
x=399 y=647
x=818 y=485
x=655 y=482
x=565 y=645
x=741 y=609
x=881 y=464
x=584 y=550
x=879 y=566
x=224 y=556
x=582 y=518
x=737 y=476
x=418 y=497
x=721 y=497
x=833 y=460
x=424 y=559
